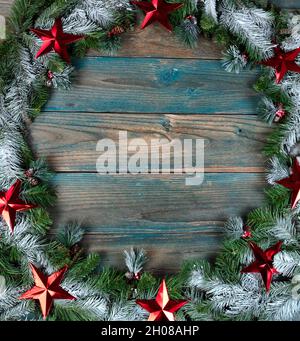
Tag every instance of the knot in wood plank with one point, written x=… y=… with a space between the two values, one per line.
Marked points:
x=166 y=124
x=169 y=76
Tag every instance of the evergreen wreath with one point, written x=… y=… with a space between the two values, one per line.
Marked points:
x=253 y=33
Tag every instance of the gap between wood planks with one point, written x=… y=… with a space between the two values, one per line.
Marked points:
x=216 y=170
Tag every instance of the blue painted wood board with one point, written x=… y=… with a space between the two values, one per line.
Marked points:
x=69 y=139
x=286 y=3
x=171 y=220
x=151 y=85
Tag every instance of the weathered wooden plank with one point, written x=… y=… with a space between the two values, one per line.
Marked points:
x=106 y=84
x=168 y=245
x=286 y=3
x=160 y=213
x=68 y=140
x=157 y=42
x=5 y=6
x=121 y=200
x=153 y=42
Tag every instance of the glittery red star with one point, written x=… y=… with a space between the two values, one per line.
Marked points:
x=283 y=62
x=263 y=263
x=293 y=183
x=157 y=10
x=10 y=204
x=162 y=308
x=56 y=40
x=47 y=289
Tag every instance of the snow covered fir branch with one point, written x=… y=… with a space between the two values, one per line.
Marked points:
x=253 y=34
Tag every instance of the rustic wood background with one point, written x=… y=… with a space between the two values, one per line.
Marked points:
x=154 y=88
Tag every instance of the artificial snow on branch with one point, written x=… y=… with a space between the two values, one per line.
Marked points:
x=252 y=26
x=216 y=292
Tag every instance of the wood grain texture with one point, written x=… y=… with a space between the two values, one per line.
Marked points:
x=5 y=6
x=157 y=42
x=160 y=43
x=286 y=3
x=163 y=242
x=144 y=85
x=68 y=140
x=130 y=200
x=174 y=222
x=159 y=212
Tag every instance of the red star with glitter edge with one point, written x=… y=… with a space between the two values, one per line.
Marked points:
x=283 y=62
x=293 y=183
x=162 y=308
x=47 y=289
x=263 y=263
x=56 y=40
x=157 y=10
x=10 y=204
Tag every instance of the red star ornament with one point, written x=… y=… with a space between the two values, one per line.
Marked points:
x=56 y=40
x=47 y=289
x=263 y=263
x=10 y=204
x=157 y=10
x=293 y=183
x=283 y=62
x=162 y=308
